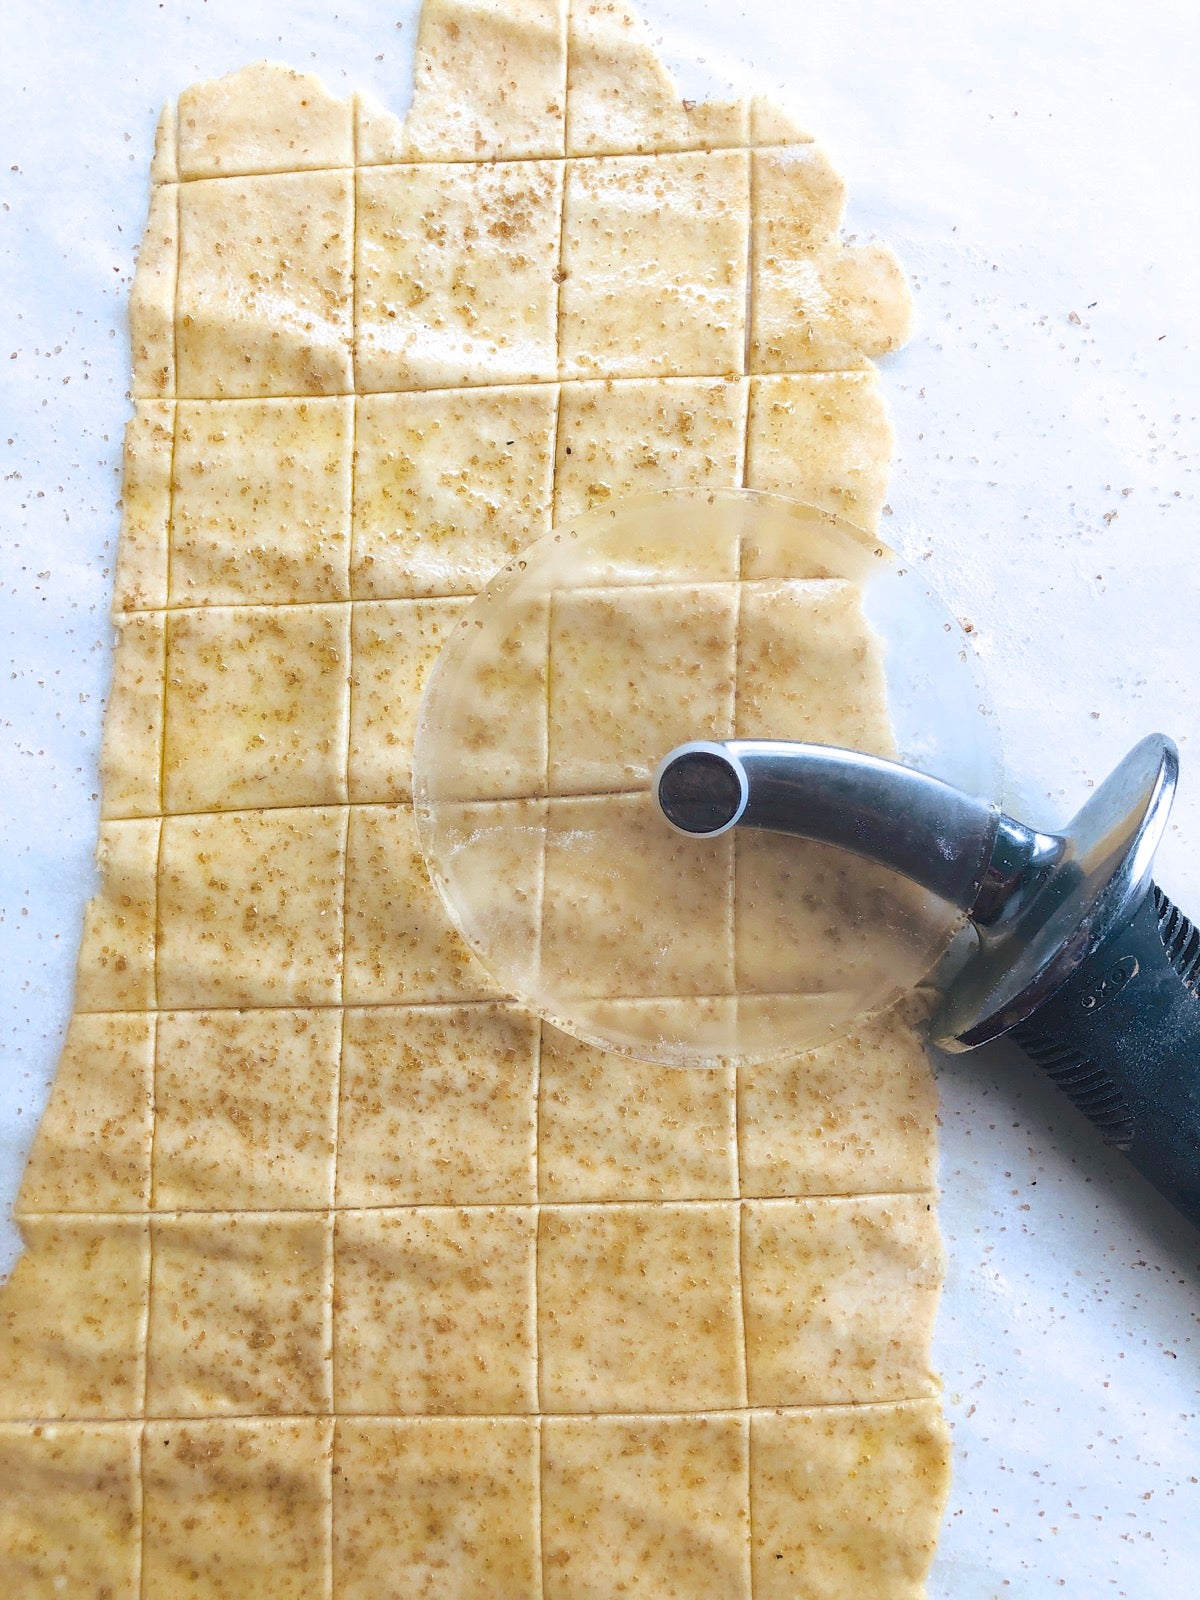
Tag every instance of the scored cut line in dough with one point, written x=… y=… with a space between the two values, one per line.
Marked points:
x=302 y=951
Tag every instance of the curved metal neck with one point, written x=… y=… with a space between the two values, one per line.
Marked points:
x=960 y=848
x=1020 y=861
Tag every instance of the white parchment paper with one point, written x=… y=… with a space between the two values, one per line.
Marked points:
x=1034 y=165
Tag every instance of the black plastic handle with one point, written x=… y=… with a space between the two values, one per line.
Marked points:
x=1121 y=1038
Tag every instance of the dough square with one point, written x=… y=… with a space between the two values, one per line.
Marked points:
x=796 y=543
x=840 y=1296
x=434 y=1311
x=115 y=969
x=639 y=1309
x=420 y=1503
x=257 y=707
x=265 y=118
x=456 y=268
x=261 y=508
x=237 y=1507
x=654 y=257
x=265 y=295
x=619 y=438
x=810 y=667
x=855 y=1117
x=152 y=297
x=245 y=1109
x=661 y=554
x=817 y=305
x=164 y=165
x=394 y=645
x=633 y=673
x=131 y=749
x=646 y=1505
x=799 y=203
x=250 y=908
x=823 y=438
x=400 y=946
x=841 y=1500
x=140 y=577
x=70 y=1514
x=811 y=920
x=239 y=1315
x=438 y=1106
x=480 y=845
x=610 y=1128
x=773 y=124
x=490 y=81
x=449 y=485
x=630 y=908
x=764 y=1019
x=73 y=1317
x=491 y=738
x=681 y=1027
x=378 y=132
x=621 y=97
x=92 y=1149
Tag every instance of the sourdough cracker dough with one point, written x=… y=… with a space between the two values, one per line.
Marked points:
x=343 y=1276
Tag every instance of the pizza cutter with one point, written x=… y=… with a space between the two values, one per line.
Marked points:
x=726 y=896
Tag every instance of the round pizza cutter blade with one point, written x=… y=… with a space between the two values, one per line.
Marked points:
x=664 y=619
x=705 y=777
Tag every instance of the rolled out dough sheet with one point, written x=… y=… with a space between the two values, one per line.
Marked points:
x=342 y=1275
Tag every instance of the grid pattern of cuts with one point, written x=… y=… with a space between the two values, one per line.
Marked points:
x=343 y=1276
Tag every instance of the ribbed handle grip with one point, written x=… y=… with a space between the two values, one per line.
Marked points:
x=1122 y=1040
